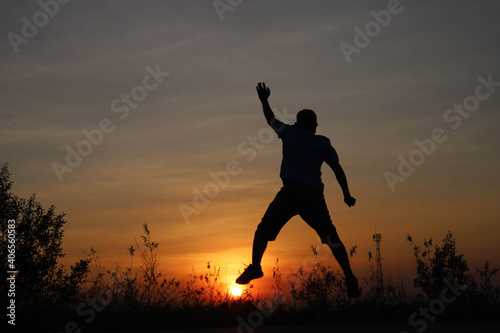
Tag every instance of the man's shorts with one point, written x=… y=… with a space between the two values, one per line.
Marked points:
x=297 y=199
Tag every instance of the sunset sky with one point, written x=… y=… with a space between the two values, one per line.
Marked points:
x=189 y=72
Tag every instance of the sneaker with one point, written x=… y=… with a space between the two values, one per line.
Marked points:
x=250 y=273
x=352 y=287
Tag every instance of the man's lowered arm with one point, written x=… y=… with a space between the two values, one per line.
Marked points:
x=342 y=179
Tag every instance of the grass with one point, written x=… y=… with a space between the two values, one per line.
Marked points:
x=129 y=298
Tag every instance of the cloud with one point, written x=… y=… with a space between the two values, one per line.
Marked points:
x=394 y=91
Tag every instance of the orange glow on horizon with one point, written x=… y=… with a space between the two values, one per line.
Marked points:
x=236 y=291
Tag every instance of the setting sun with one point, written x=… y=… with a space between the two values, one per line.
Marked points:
x=236 y=291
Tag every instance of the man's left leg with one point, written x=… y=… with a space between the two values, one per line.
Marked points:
x=258 y=249
x=277 y=215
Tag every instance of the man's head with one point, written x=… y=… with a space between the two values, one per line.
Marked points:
x=306 y=119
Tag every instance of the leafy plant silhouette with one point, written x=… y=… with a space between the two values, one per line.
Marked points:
x=40 y=279
x=321 y=288
x=486 y=290
x=438 y=264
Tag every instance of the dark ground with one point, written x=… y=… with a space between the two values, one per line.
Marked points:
x=461 y=327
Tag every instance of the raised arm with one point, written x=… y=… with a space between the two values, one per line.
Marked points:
x=264 y=94
x=342 y=179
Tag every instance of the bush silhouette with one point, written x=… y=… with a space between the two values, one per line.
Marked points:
x=38 y=246
x=439 y=264
x=321 y=288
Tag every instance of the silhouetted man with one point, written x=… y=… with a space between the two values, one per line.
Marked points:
x=302 y=193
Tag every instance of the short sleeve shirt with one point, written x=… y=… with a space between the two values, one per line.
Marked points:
x=303 y=154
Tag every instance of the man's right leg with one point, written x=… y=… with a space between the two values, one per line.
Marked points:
x=315 y=213
x=339 y=252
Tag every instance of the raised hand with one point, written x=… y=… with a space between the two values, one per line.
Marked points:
x=263 y=91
